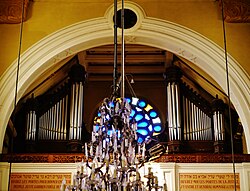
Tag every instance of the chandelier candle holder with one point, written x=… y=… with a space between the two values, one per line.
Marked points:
x=114 y=156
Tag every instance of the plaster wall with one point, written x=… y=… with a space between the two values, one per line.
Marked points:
x=166 y=172
x=46 y=17
x=48 y=51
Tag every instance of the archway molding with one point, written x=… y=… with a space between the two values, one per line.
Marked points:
x=152 y=32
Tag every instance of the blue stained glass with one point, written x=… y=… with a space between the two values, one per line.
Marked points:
x=96 y=127
x=153 y=114
x=138 y=109
x=142 y=104
x=107 y=117
x=157 y=128
x=128 y=100
x=134 y=101
x=111 y=104
x=142 y=124
x=147 y=117
x=132 y=113
x=140 y=140
x=148 y=121
x=156 y=120
x=109 y=132
x=138 y=117
x=142 y=132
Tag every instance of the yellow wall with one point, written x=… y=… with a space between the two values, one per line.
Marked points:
x=46 y=17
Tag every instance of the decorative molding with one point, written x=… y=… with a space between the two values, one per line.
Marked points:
x=77 y=157
x=236 y=11
x=152 y=32
x=11 y=11
x=203 y=158
x=42 y=158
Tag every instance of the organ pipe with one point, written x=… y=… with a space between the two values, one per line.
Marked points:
x=173 y=75
x=196 y=121
x=31 y=119
x=52 y=123
x=77 y=77
x=218 y=119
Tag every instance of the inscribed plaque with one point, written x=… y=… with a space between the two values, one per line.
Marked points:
x=38 y=181
x=208 y=182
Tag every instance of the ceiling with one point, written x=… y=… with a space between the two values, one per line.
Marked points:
x=142 y=63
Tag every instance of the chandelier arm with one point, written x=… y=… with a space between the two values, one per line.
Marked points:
x=115 y=152
x=130 y=87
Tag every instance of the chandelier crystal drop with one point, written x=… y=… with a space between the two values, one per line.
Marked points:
x=114 y=155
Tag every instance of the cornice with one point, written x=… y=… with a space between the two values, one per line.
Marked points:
x=203 y=158
x=166 y=158
x=11 y=11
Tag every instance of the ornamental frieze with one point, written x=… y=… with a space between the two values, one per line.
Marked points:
x=11 y=11
x=77 y=157
x=236 y=11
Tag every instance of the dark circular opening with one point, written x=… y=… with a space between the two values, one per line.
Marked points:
x=130 y=18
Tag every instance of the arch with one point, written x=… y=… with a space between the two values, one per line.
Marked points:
x=152 y=32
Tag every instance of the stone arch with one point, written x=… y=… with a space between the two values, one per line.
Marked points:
x=152 y=32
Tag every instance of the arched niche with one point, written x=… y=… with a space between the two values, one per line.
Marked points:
x=150 y=31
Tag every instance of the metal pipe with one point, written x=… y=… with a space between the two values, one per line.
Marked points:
x=173 y=111
x=216 y=136
x=170 y=123
x=122 y=54
x=177 y=111
x=184 y=119
x=66 y=116
x=34 y=125
x=187 y=118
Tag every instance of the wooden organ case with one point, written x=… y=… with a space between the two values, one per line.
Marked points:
x=54 y=120
x=195 y=122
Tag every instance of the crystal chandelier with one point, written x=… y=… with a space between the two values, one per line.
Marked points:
x=114 y=155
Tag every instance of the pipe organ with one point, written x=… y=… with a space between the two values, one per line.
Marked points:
x=53 y=121
x=30 y=133
x=174 y=114
x=77 y=77
x=58 y=115
x=173 y=105
x=219 y=124
x=191 y=118
x=197 y=121
x=76 y=111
